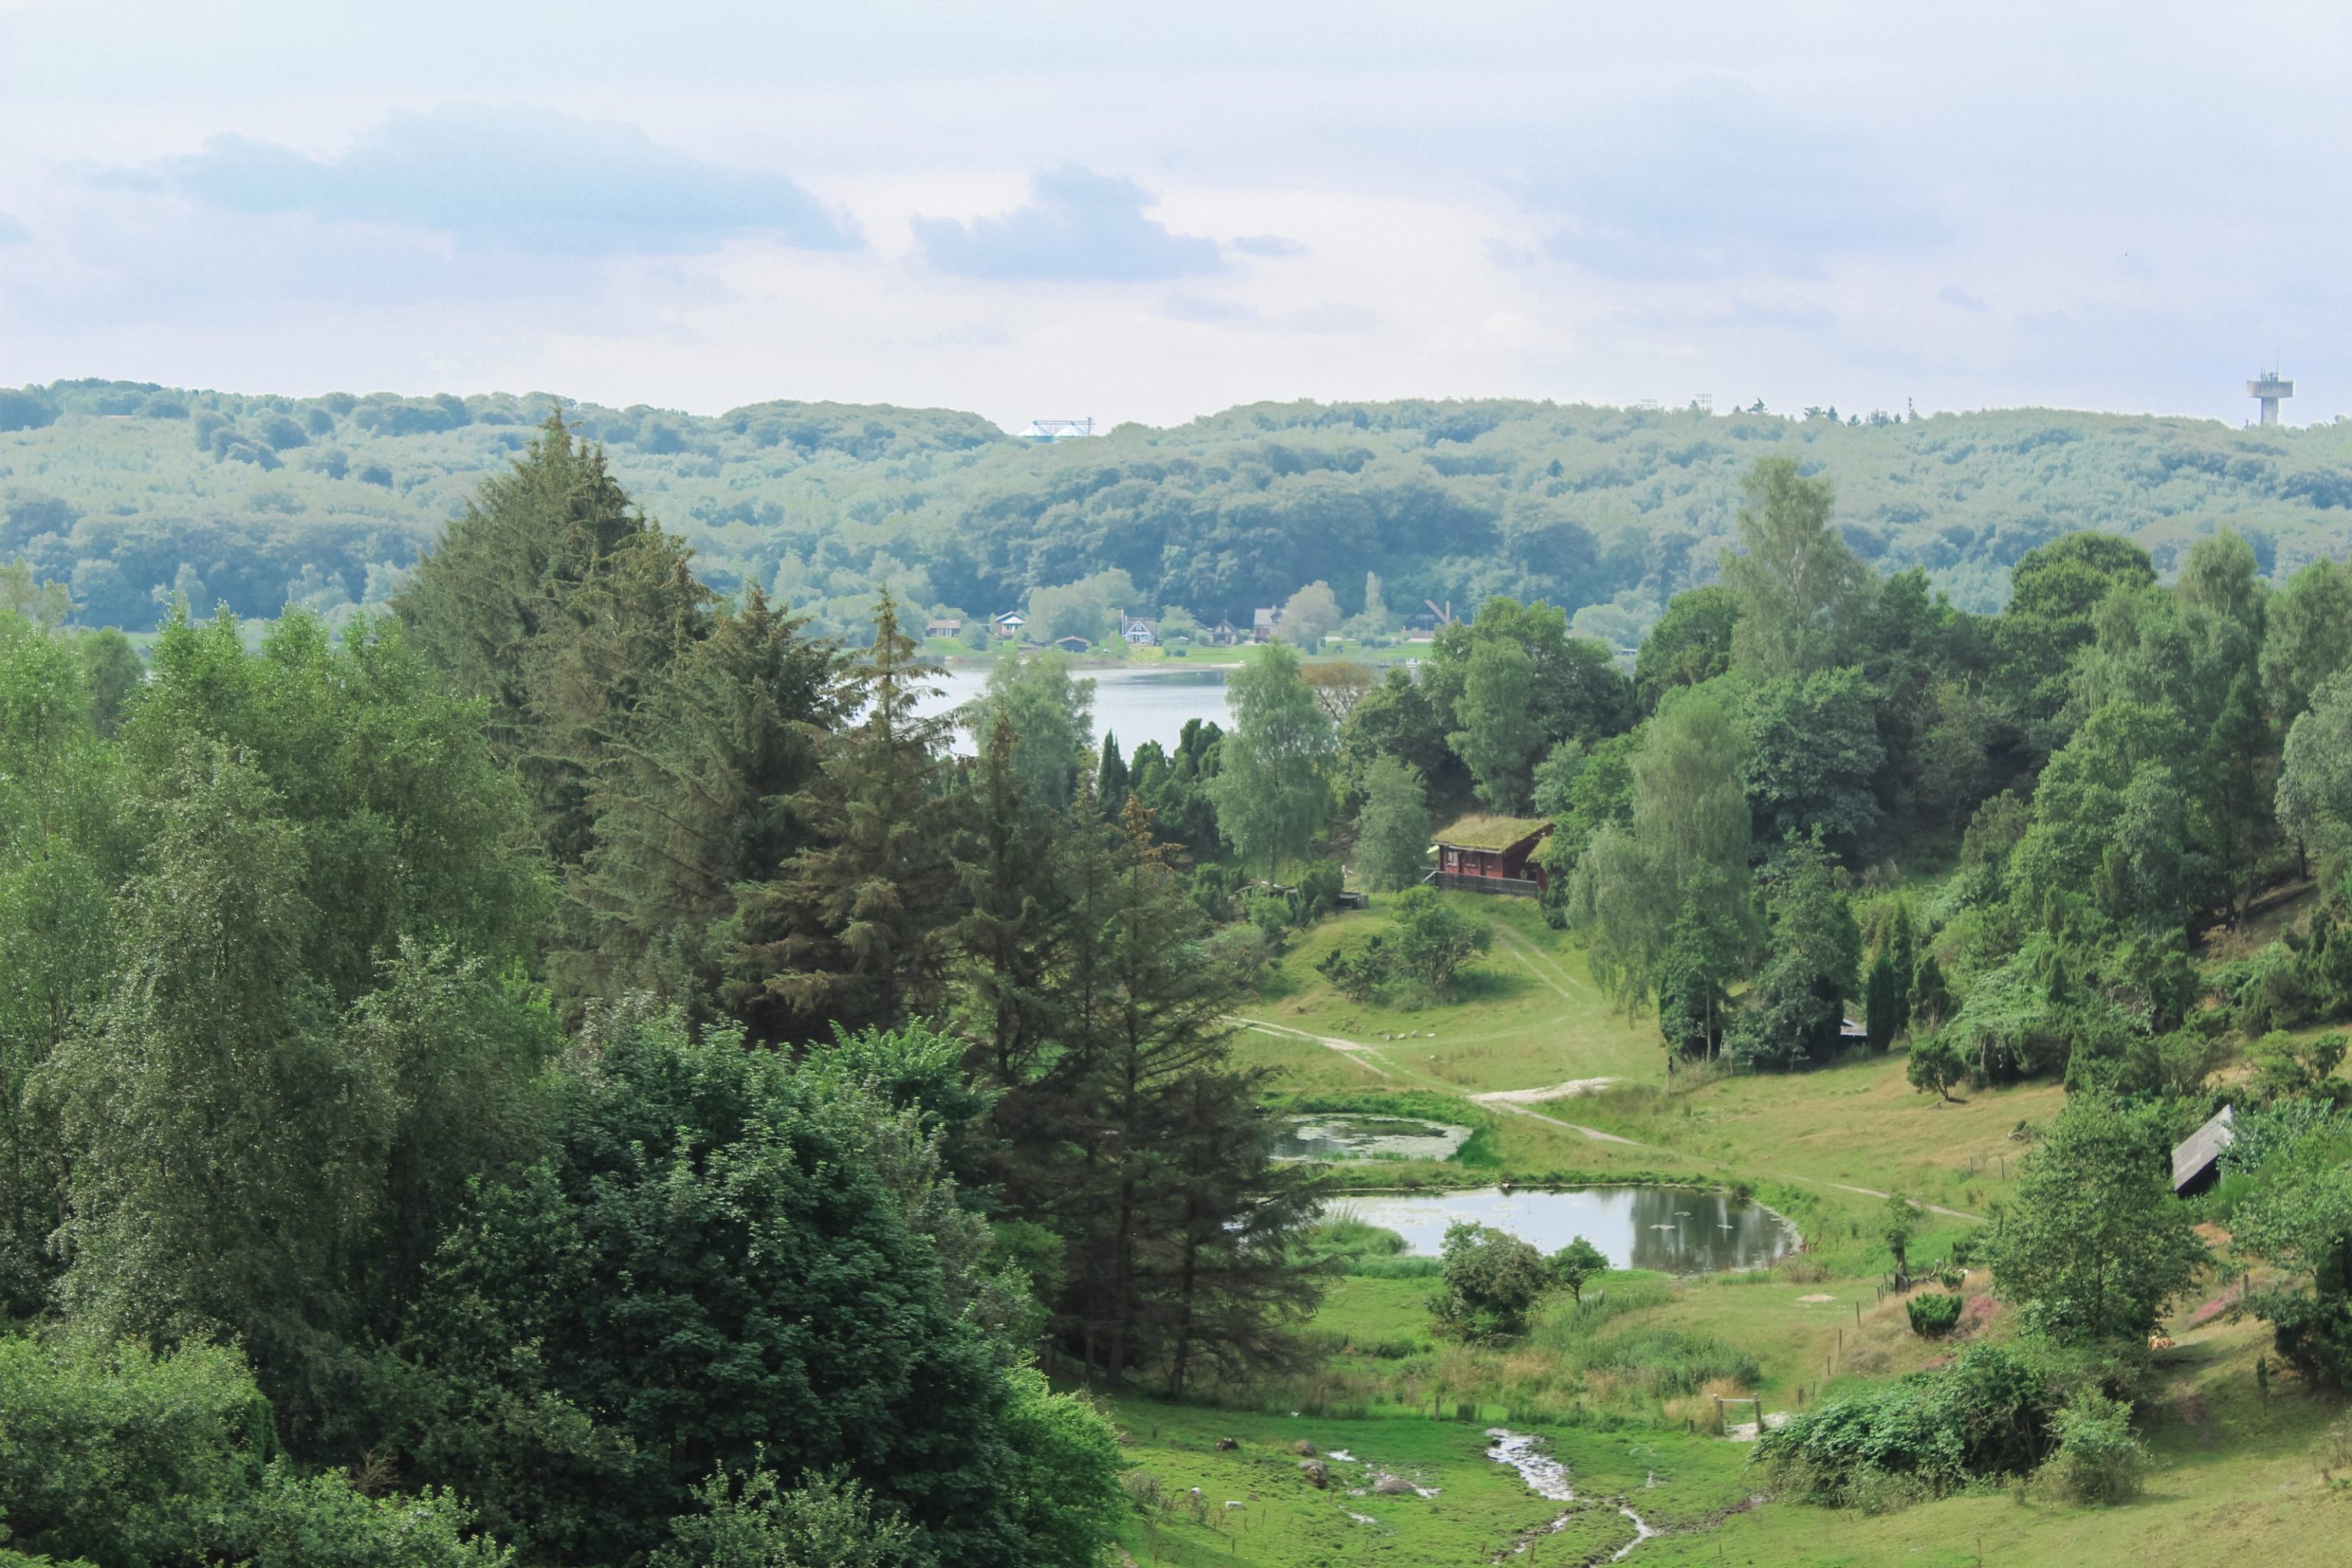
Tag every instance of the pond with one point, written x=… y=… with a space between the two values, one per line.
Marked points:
x=1367 y=1138
x=1676 y=1230
x=1135 y=705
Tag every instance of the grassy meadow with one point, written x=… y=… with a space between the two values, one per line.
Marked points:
x=1622 y=1388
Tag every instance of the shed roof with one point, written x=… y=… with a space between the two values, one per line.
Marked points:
x=1480 y=831
x=2201 y=1148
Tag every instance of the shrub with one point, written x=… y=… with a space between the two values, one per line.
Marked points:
x=1984 y=1415
x=2098 y=1459
x=1355 y=970
x=1933 y=1317
x=1492 y=1279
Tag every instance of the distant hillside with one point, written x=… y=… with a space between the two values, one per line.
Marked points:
x=126 y=489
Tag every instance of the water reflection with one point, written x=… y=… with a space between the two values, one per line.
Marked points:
x=1676 y=1230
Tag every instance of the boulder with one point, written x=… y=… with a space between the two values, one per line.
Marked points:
x=1390 y=1486
x=1226 y=1445
x=1303 y=1448
x=1318 y=1473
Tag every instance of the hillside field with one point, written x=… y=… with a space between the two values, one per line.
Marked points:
x=2237 y=1474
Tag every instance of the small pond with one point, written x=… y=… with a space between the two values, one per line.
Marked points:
x=1676 y=1230
x=1367 y=1138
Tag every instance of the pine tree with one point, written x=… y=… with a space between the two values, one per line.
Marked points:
x=692 y=805
x=854 y=927
x=554 y=600
x=1112 y=789
x=1134 y=1138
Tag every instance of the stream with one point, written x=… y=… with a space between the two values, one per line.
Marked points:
x=1547 y=1478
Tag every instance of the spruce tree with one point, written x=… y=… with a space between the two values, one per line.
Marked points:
x=555 y=601
x=854 y=928
x=692 y=805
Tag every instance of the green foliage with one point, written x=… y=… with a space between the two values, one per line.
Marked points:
x=1936 y=1064
x=118 y=1456
x=1270 y=792
x=1797 y=582
x=1577 y=1265
x=827 y=1521
x=1392 y=829
x=1812 y=753
x=1933 y=1315
x=1431 y=938
x=693 y=805
x=2093 y=1242
x=1795 y=1008
x=125 y=1456
x=852 y=930
x=1490 y=1281
x=1516 y=684
x=2098 y=1459
x=2294 y=1165
x=62 y=850
x=1985 y=1415
x=724 y=1254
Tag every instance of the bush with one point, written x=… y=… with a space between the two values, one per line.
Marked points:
x=116 y=1457
x=2098 y=1459
x=1356 y=970
x=1491 y=1280
x=1984 y=1415
x=1933 y=1317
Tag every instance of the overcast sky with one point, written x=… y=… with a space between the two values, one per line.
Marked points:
x=1148 y=211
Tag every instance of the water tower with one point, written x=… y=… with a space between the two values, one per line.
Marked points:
x=2270 y=388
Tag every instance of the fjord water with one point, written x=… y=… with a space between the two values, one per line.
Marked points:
x=1676 y=1230
x=1135 y=705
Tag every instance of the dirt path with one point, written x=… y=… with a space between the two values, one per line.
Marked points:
x=1540 y=965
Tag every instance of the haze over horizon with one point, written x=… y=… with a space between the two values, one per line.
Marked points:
x=1155 y=213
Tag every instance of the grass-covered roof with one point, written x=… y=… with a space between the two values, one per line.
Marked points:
x=1480 y=831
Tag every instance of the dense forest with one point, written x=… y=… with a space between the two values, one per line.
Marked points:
x=127 y=491
x=572 y=1069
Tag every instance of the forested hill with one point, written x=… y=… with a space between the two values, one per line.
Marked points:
x=126 y=490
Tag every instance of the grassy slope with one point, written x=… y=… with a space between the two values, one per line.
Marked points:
x=2233 y=1477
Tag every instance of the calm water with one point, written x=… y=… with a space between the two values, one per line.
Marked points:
x=1135 y=705
x=1673 y=1229
x=1367 y=1138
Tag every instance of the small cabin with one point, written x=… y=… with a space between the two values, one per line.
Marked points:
x=2197 y=1162
x=1073 y=643
x=1140 y=631
x=1265 y=623
x=939 y=626
x=1483 y=854
x=1224 y=634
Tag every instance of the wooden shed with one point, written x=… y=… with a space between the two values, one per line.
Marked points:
x=2197 y=1162
x=1486 y=854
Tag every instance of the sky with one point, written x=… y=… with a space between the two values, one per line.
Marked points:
x=1138 y=211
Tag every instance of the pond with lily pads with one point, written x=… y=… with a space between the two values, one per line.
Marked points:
x=1675 y=1230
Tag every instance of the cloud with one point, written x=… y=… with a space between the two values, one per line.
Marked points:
x=1718 y=183
x=1952 y=294
x=1214 y=313
x=13 y=230
x=1269 y=244
x=1078 y=226
x=507 y=179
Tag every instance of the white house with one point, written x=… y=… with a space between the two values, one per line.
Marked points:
x=1138 y=631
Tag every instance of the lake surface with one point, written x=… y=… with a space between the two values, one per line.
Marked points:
x=1676 y=1230
x=1135 y=705
x=1367 y=1138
